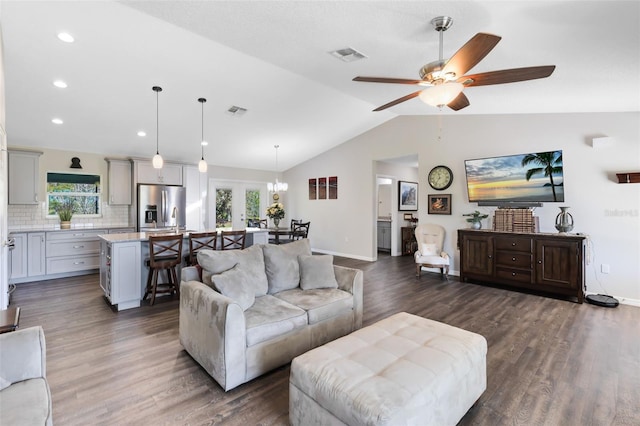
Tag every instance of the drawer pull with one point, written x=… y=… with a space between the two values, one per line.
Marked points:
x=78 y=263
x=513 y=274
x=78 y=247
x=513 y=244
x=513 y=258
x=78 y=235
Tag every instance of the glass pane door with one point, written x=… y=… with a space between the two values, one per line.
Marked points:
x=235 y=202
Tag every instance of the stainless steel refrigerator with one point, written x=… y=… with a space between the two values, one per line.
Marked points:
x=161 y=206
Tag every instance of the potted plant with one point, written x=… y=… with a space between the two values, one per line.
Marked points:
x=475 y=219
x=65 y=213
x=276 y=212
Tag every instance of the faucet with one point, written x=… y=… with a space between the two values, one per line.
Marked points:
x=174 y=215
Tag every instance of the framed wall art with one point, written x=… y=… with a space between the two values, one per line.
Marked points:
x=407 y=196
x=333 y=187
x=322 y=188
x=313 y=189
x=439 y=203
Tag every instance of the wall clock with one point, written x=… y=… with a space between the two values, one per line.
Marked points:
x=440 y=177
x=276 y=197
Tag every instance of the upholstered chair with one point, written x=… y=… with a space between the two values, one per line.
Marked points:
x=430 y=238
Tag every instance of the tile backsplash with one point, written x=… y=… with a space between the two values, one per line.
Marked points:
x=35 y=217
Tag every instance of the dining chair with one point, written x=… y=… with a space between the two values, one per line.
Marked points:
x=165 y=254
x=199 y=241
x=233 y=240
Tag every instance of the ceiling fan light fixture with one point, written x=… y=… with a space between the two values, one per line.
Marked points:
x=441 y=94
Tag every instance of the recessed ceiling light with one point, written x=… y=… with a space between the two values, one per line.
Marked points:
x=142 y=133
x=56 y=121
x=204 y=143
x=66 y=37
x=59 y=83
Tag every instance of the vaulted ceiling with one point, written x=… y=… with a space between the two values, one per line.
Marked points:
x=272 y=58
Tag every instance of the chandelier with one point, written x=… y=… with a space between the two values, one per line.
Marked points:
x=277 y=186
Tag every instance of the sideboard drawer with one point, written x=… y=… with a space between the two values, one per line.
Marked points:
x=514 y=275
x=513 y=244
x=514 y=259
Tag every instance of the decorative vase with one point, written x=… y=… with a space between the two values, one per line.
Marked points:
x=476 y=225
x=65 y=224
x=276 y=222
x=564 y=220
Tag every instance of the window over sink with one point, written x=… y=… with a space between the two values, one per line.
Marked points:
x=81 y=191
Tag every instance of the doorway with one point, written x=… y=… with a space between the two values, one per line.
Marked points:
x=231 y=203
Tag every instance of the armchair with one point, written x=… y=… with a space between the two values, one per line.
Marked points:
x=430 y=238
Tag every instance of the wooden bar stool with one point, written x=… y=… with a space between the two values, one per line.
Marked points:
x=232 y=240
x=165 y=253
x=200 y=241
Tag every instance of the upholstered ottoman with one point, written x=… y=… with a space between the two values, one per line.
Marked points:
x=399 y=371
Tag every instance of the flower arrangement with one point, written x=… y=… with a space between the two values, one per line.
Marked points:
x=275 y=211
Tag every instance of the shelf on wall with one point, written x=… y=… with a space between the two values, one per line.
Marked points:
x=632 y=177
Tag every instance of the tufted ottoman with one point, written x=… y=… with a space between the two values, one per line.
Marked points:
x=402 y=370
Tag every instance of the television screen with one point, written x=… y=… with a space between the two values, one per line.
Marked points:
x=521 y=179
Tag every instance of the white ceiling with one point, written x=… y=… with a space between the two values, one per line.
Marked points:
x=272 y=58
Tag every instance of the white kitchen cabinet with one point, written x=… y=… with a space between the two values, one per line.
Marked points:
x=119 y=182
x=196 y=194
x=24 y=177
x=73 y=251
x=36 y=254
x=169 y=174
x=120 y=273
x=28 y=256
x=18 y=256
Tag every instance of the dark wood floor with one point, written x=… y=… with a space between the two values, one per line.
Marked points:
x=550 y=361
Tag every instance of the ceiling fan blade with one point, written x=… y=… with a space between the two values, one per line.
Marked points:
x=471 y=53
x=389 y=80
x=459 y=102
x=398 y=101
x=507 y=76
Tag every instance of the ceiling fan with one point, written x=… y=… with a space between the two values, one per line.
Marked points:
x=445 y=80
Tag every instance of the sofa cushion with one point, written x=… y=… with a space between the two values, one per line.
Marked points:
x=320 y=304
x=270 y=317
x=281 y=264
x=251 y=260
x=4 y=383
x=236 y=284
x=317 y=272
x=25 y=403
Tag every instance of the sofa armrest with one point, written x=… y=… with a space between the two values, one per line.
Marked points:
x=351 y=280
x=23 y=355
x=212 y=329
x=189 y=273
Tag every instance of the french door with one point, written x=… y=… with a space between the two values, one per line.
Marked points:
x=231 y=203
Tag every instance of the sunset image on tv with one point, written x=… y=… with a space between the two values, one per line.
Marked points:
x=535 y=177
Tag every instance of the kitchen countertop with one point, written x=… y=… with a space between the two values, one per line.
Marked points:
x=144 y=236
x=73 y=228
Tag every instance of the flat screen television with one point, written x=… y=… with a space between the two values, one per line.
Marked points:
x=523 y=180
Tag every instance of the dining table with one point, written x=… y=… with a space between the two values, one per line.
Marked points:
x=276 y=232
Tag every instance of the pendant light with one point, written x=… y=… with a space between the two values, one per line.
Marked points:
x=157 y=159
x=202 y=165
x=277 y=186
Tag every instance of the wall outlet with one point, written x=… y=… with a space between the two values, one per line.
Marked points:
x=604 y=268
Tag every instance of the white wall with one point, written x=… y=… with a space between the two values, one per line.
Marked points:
x=608 y=212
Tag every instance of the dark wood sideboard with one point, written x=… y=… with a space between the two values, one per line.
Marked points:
x=552 y=263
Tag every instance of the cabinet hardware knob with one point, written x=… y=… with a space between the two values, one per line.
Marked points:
x=513 y=274
x=513 y=258
x=513 y=244
x=540 y=262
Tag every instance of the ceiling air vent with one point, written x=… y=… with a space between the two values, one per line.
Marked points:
x=236 y=111
x=348 y=55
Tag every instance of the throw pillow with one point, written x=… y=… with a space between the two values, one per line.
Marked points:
x=236 y=284
x=317 y=272
x=4 y=383
x=251 y=260
x=429 y=249
x=281 y=264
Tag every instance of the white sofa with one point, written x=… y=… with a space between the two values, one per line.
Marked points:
x=258 y=308
x=25 y=397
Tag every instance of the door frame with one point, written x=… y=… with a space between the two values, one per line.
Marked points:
x=238 y=203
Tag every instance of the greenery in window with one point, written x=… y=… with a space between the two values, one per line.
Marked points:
x=253 y=204
x=79 y=191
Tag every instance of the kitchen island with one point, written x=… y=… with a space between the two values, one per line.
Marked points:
x=123 y=269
